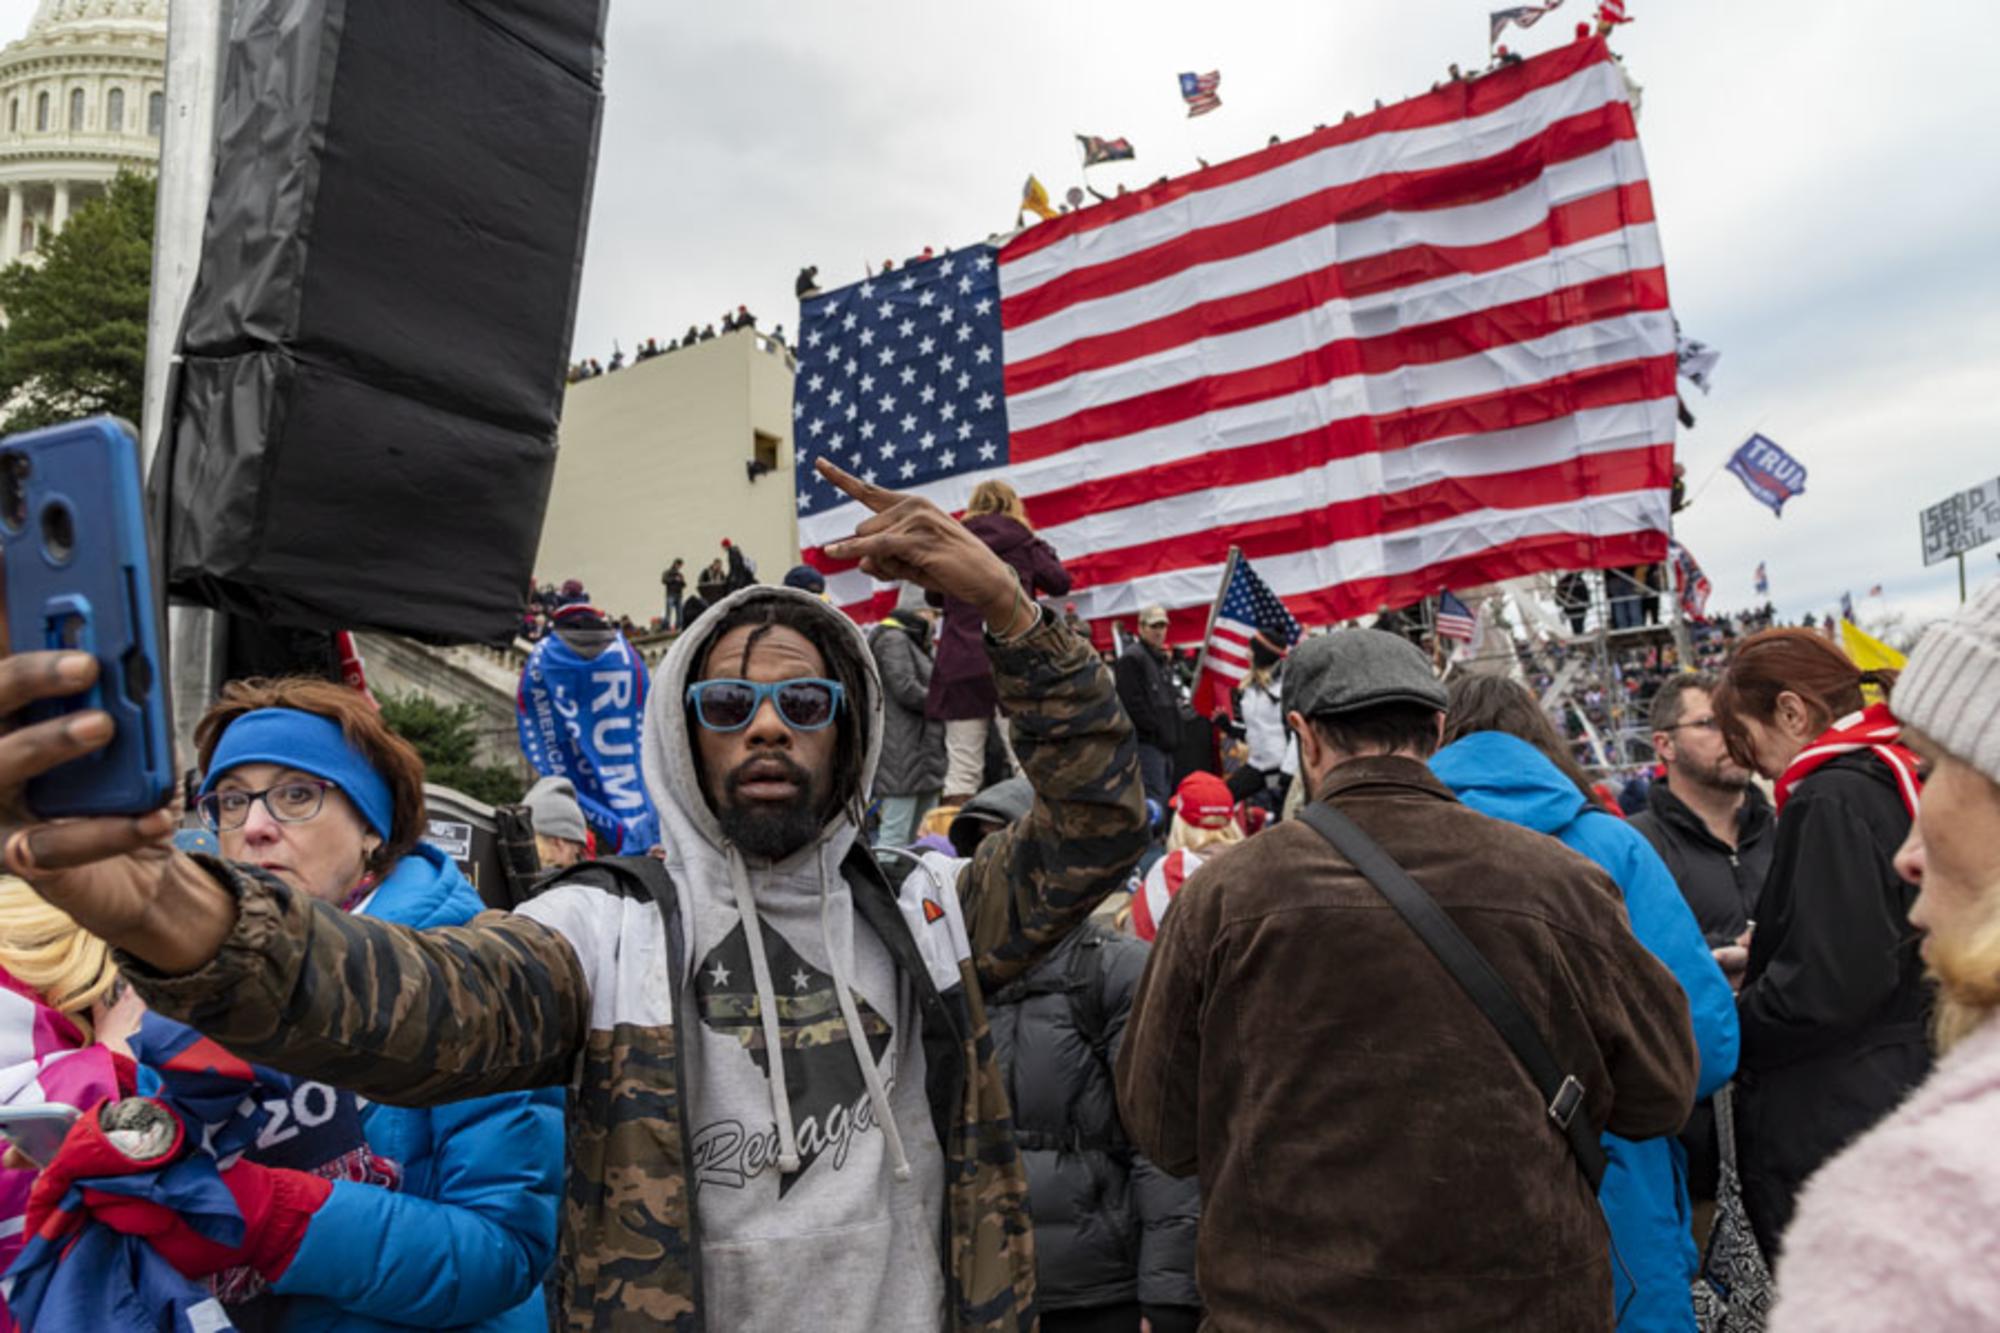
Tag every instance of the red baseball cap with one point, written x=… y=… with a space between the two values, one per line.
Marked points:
x=1203 y=800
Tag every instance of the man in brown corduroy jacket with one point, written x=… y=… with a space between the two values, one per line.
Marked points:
x=1372 y=1155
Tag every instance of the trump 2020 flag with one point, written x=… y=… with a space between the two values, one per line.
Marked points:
x=1429 y=347
x=1770 y=474
x=579 y=719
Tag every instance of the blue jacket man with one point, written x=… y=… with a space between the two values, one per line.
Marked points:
x=1644 y=1193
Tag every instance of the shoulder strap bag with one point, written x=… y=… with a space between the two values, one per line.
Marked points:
x=1562 y=1094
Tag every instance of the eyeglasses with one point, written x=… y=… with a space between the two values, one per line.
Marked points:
x=292 y=802
x=1699 y=724
x=805 y=703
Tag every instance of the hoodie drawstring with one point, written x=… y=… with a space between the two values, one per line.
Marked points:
x=878 y=1096
x=767 y=1007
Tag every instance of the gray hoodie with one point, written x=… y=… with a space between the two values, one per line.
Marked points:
x=819 y=1176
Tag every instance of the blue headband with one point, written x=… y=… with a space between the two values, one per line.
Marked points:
x=311 y=744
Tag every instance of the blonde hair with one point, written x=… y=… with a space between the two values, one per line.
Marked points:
x=44 y=950
x=1186 y=837
x=997 y=497
x=1966 y=962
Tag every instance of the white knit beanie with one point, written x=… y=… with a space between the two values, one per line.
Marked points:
x=1950 y=691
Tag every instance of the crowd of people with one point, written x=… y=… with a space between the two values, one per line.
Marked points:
x=732 y=321
x=975 y=983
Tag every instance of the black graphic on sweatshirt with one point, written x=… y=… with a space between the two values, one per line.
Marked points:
x=823 y=1084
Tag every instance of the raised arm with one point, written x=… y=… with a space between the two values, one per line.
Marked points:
x=1031 y=883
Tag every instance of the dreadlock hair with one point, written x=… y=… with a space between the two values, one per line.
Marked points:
x=813 y=621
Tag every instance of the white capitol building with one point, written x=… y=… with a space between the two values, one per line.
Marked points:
x=82 y=97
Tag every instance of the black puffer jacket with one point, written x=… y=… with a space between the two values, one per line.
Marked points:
x=1720 y=882
x=1109 y=1227
x=912 y=760
x=1835 y=1007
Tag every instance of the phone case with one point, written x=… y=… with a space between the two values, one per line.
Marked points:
x=79 y=576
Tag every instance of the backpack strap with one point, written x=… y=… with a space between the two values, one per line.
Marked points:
x=1562 y=1094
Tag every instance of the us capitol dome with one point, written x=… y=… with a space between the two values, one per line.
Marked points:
x=82 y=97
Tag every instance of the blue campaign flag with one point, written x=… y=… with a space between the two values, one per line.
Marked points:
x=579 y=719
x=1768 y=472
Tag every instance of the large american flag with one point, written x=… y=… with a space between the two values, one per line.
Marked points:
x=1429 y=347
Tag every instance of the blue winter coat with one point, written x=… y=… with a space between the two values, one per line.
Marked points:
x=1645 y=1188
x=467 y=1240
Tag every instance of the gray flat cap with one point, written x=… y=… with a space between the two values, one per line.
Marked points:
x=1358 y=668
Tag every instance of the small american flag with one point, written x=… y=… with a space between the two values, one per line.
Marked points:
x=1198 y=91
x=1245 y=609
x=1425 y=348
x=1455 y=619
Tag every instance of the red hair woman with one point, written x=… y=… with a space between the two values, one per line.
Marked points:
x=1834 y=1003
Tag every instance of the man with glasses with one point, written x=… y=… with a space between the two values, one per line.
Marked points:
x=1708 y=822
x=1713 y=828
x=785 y=1108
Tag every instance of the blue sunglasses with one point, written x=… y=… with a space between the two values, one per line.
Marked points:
x=805 y=703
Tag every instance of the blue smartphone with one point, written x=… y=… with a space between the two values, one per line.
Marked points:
x=79 y=576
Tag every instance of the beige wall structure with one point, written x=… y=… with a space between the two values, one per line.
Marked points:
x=82 y=97
x=654 y=462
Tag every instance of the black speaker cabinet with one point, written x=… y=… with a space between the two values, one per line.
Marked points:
x=363 y=422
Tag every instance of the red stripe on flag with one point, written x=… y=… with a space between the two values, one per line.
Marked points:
x=1406 y=191
x=1596 y=474
x=1458 y=101
x=1625 y=381
x=1596 y=215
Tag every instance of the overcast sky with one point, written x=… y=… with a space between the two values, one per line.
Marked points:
x=1824 y=176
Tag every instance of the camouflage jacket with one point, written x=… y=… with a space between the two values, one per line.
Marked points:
x=506 y=1002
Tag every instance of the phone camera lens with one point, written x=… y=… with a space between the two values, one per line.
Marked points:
x=58 y=532
x=14 y=469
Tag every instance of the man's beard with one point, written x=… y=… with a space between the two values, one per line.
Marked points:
x=770 y=830
x=1722 y=776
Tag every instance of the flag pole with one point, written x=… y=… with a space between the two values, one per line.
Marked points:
x=1214 y=609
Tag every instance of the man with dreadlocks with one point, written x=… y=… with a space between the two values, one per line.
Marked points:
x=785 y=1110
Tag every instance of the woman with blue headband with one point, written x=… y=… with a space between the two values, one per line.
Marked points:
x=303 y=780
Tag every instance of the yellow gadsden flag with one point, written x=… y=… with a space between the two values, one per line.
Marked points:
x=1869 y=653
x=1035 y=199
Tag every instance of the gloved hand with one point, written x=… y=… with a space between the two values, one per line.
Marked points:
x=113 y=1138
x=277 y=1206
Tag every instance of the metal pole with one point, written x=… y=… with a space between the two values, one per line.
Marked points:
x=1961 y=578
x=197 y=32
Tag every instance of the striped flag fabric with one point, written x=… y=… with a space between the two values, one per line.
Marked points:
x=1521 y=16
x=1245 y=609
x=1455 y=619
x=1690 y=583
x=1198 y=91
x=1425 y=348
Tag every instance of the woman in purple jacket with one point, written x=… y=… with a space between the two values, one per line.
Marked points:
x=962 y=693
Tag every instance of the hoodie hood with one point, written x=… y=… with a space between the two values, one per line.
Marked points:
x=1506 y=778
x=668 y=750
x=761 y=924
